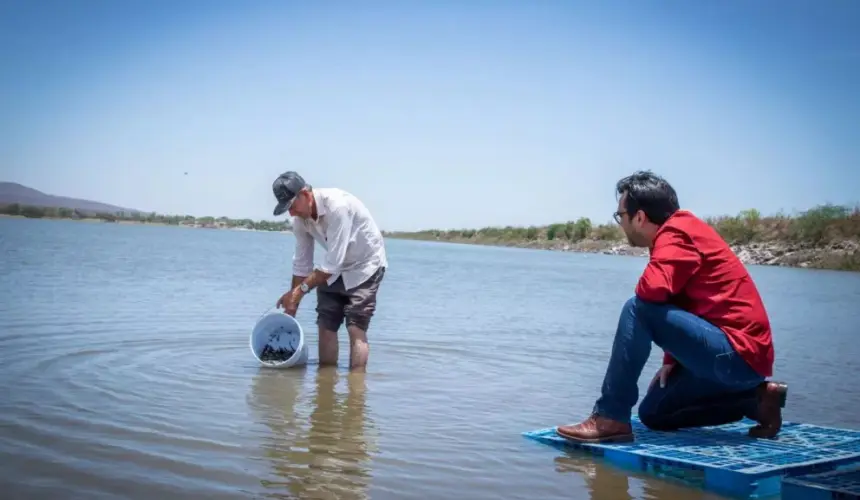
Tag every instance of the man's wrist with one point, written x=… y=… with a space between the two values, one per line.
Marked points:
x=304 y=287
x=297 y=290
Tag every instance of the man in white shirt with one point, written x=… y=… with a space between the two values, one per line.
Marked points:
x=348 y=279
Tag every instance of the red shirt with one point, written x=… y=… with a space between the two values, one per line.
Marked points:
x=693 y=268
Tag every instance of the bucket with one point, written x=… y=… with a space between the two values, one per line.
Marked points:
x=278 y=341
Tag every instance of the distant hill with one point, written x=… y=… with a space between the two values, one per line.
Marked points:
x=11 y=192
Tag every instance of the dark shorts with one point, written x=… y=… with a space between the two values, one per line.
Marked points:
x=356 y=306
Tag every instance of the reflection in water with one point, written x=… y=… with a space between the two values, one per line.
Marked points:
x=601 y=482
x=325 y=455
x=606 y=482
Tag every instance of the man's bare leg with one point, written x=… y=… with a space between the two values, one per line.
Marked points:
x=359 y=349
x=328 y=347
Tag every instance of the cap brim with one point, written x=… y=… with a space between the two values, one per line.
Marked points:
x=280 y=208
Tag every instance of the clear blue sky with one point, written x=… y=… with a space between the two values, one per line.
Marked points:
x=437 y=114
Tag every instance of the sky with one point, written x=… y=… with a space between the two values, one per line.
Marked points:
x=436 y=114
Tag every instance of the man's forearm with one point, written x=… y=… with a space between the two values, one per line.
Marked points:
x=316 y=279
x=297 y=280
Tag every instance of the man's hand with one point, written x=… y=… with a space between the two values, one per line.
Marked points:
x=662 y=374
x=290 y=301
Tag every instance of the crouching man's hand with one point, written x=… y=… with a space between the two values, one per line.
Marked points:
x=662 y=374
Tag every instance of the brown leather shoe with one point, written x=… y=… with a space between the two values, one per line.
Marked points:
x=771 y=401
x=597 y=429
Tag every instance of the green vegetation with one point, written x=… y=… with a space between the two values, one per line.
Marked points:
x=573 y=231
x=818 y=226
x=833 y=230
x=143 y=218
x=826 y=236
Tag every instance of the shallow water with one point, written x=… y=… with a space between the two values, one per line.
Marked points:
x=126 y=369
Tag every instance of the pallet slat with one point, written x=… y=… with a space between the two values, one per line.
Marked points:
x=726 y=460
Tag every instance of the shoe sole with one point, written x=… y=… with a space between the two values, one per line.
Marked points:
x=620 y=438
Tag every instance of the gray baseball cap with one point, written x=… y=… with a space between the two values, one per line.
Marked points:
x=285 y=188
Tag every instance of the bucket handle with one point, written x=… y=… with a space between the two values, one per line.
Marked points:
x=267 y=311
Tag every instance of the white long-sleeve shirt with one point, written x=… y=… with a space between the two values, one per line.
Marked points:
x=345 y=228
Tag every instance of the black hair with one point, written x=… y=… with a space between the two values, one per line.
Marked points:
x=650 y=193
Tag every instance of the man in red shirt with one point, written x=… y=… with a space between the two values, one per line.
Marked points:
x=697 y=302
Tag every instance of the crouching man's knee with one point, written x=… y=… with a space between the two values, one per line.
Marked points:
x=631 y=305
x=651 y=416
x=636 y=305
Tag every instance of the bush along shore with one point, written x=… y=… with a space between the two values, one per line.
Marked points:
x=36 y=212
x=824 y=237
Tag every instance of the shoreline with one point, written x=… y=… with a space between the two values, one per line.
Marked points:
x=839 y=254
x=843 y=255
x=823 y=237
x=96 y=220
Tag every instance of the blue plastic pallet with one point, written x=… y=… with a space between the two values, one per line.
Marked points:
x=839 y=484
x=723 y=459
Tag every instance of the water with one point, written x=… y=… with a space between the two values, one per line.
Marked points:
x=126 y=369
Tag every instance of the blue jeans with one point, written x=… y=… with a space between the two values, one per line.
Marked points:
x=710 y=384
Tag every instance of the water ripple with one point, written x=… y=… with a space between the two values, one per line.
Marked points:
x=127 y=371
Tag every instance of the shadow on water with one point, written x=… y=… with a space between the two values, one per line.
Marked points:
x=325 y=454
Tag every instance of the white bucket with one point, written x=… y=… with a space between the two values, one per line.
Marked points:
x=278 y=330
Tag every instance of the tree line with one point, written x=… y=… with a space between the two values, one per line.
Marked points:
x=817 y=226
x=142 y=217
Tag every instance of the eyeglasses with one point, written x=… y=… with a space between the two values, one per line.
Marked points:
x=617 y=216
